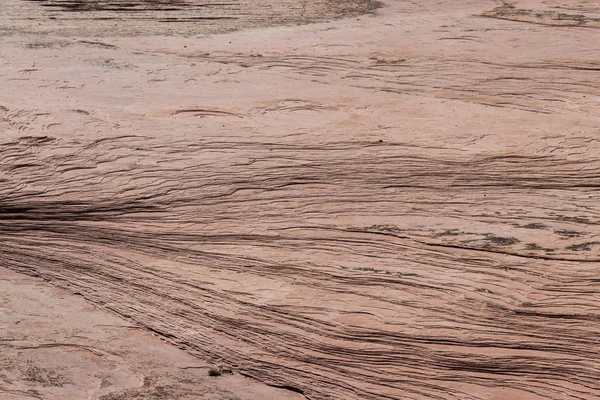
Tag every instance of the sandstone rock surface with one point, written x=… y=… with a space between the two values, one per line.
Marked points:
x=398 y=205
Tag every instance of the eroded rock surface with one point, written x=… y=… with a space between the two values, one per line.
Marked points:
x=55 y=345
x=168 y=17
x=399 y=206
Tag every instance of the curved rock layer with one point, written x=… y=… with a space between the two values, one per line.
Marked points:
x=400 y=207
x=55 y=345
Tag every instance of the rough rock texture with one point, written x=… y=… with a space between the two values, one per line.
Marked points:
x=168 y=17
x=399 y=206
x=55 y=345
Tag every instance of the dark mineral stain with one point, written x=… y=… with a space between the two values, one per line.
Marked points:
x=127 y=6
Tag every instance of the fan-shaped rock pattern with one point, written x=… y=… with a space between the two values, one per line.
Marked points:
x=400 y=207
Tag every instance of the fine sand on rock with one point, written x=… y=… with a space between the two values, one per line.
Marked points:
x=398 y=205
